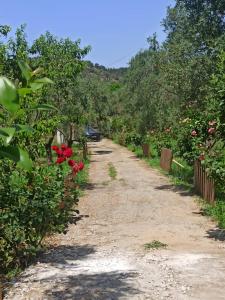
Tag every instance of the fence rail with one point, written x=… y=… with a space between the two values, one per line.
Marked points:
x=204 y=185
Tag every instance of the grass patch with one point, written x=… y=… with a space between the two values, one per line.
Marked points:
x=217 y=211
x=155 y=245
x=112 y=171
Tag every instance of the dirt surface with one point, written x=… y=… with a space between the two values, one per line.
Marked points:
x=103 y=256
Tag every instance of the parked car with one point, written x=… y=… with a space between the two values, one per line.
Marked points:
x=92 y=134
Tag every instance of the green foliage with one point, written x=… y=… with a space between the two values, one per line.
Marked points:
x=36 y=198
x=155 y=245
x=217 y=211
x=133 y=138
x=32 y=205
x=112 y=171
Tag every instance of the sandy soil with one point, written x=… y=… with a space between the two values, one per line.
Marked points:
x=103 y=256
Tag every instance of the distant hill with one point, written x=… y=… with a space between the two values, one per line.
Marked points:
x=104 y=73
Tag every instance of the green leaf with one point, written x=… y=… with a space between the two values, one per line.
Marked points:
x=10 y=152
x=7 y=134
x=43 y=80
x=25 y=128
x=25 y=162
x=24 y=91
x=45 y=107
x=18 y=155
x=36 y=86
x=8 y=95
x=39 y=83
x=25 y=69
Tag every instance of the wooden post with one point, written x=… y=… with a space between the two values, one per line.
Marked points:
x=85 y=150
x=166 y=159
x=146 y=150
x=204 y=185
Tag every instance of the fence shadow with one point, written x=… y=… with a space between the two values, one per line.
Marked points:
x=183 y=190
x=216 y=234
x=99 y=286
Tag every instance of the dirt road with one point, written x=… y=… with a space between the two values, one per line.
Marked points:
x=103 y=256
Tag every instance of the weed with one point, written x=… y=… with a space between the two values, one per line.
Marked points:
x=112 y=171
x=155 y=245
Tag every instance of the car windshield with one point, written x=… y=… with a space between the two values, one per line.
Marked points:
x=90 y=130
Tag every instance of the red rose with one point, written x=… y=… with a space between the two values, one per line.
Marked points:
x=55 y=148
x=211 y=130
x=60 y=160
x=63 y=147
x=194 y=133
x=68 y=152
x=75 y=168
x=81 y=165
x=59 y=152
x=71 y=162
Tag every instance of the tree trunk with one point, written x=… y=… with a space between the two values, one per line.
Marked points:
x=70 y=139
x=49 y=149
x=85 y=150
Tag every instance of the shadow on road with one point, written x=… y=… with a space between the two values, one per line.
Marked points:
x=181 y=189
x=216 y=234
x=99 y=286
x=60 y=254
x=101 y=152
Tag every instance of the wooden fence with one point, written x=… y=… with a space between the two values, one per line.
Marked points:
x=204 y=185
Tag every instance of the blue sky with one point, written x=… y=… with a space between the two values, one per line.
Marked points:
x=115 y=29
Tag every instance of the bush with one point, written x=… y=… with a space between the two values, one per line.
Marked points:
x=133 y=138
x=32 y=206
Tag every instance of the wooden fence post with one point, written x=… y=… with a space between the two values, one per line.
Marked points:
x=146 y=150
x=166 y=159
x=204 y=185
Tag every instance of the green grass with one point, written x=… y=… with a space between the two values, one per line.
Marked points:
x=112 y=171
x=217 y=211
x=155 y=245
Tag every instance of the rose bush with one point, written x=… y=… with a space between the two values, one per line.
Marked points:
x=36 y=198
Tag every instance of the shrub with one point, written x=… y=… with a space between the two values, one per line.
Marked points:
x=32 y=206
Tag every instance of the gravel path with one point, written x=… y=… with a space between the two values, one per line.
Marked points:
x=103 y=256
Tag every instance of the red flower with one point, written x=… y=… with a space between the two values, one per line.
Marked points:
x=64 y=147
x=81 y=165
x=59 y=152
x=71 y=162
x=68 y=152
x=76 y=168
x=211 y=130
x=194 y=133
x=55 y=148
x=60 y=160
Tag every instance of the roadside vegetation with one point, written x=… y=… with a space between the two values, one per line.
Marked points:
x=154 y=245
x=112 y=171
x=171 y=95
